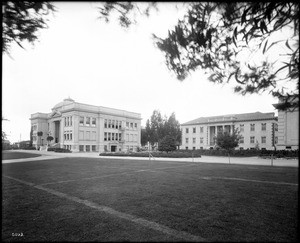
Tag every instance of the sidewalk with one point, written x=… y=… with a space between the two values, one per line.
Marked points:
x=45 y=155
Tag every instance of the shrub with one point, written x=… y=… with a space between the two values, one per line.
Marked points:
x=30 y=148
x=60 y=150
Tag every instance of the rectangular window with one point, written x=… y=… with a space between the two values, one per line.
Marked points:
x=194 y=129
x=87 y=148
x=276 y=140
x=194 y=148
x=113 y=136
x=186 y=140
x=263 y=139
x=241 y=127
x=81 y=148
x=131 y=125
x=93 y=121
x=65 y=121
x=201 y=129
x=120 y=136
x=105 y=123
x=201 y=140
x=71 y=118
x=252 y=127
x=93 y=136
x=120 y=124
x=117 y=124
x=87 y=121
x=276 y=127
x=113 y=124
x=109 y=123
x=108 y=136
x=94 y=148
x=135 y=125
x=186 y=130
x=71 y=136
x=194 y=140
x=68 y=121
x=241 y=140
x=105 y=136
x=81 y=135
x=65 y=136
x=81 y=120
x=87 y=135
x=264 y=126
x=127 y=124
x=252 y=139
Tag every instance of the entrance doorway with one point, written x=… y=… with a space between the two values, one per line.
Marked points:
x=113 y=148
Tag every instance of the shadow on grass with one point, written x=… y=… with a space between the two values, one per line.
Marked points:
x=6 y=155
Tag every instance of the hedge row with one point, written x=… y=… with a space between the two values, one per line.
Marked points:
x=220 y=152
x=60 y=150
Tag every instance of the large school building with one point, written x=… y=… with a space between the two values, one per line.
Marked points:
x=87 y=128
x=257 y=130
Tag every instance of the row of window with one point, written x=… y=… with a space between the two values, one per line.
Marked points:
x=194 y=130
x=131 y=137
x=68 y=121
x=252 y=128
x=108 y=123
x=87 y=135
x=87 y=121
x=241 y=148
x=111 y=136
x=68 y=136
x=252 y=140
x=87 y=148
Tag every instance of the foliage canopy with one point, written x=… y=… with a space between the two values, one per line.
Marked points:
x=228 y=141
x=22 y=21
x=217 y=36
x=158 y=127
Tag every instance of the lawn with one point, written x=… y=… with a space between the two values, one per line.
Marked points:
x=17 y=155
x=98 y=199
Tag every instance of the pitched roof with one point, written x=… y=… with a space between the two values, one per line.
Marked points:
x=232 y=118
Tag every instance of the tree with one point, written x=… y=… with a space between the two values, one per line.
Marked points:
x=158 y=127
x=228 y=141
x=22 y=20
x=168 y=143
x=144 y=137
x=216 y=36
x=49 y=139
x=31 y=137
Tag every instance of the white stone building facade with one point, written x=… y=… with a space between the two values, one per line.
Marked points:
x=87 y=128
x=257 y=130
x=288 y=128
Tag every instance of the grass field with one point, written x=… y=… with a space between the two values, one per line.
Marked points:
x=93 y=199
x=6 y=155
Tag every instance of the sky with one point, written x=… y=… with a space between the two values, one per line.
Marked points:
x=92 y=62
